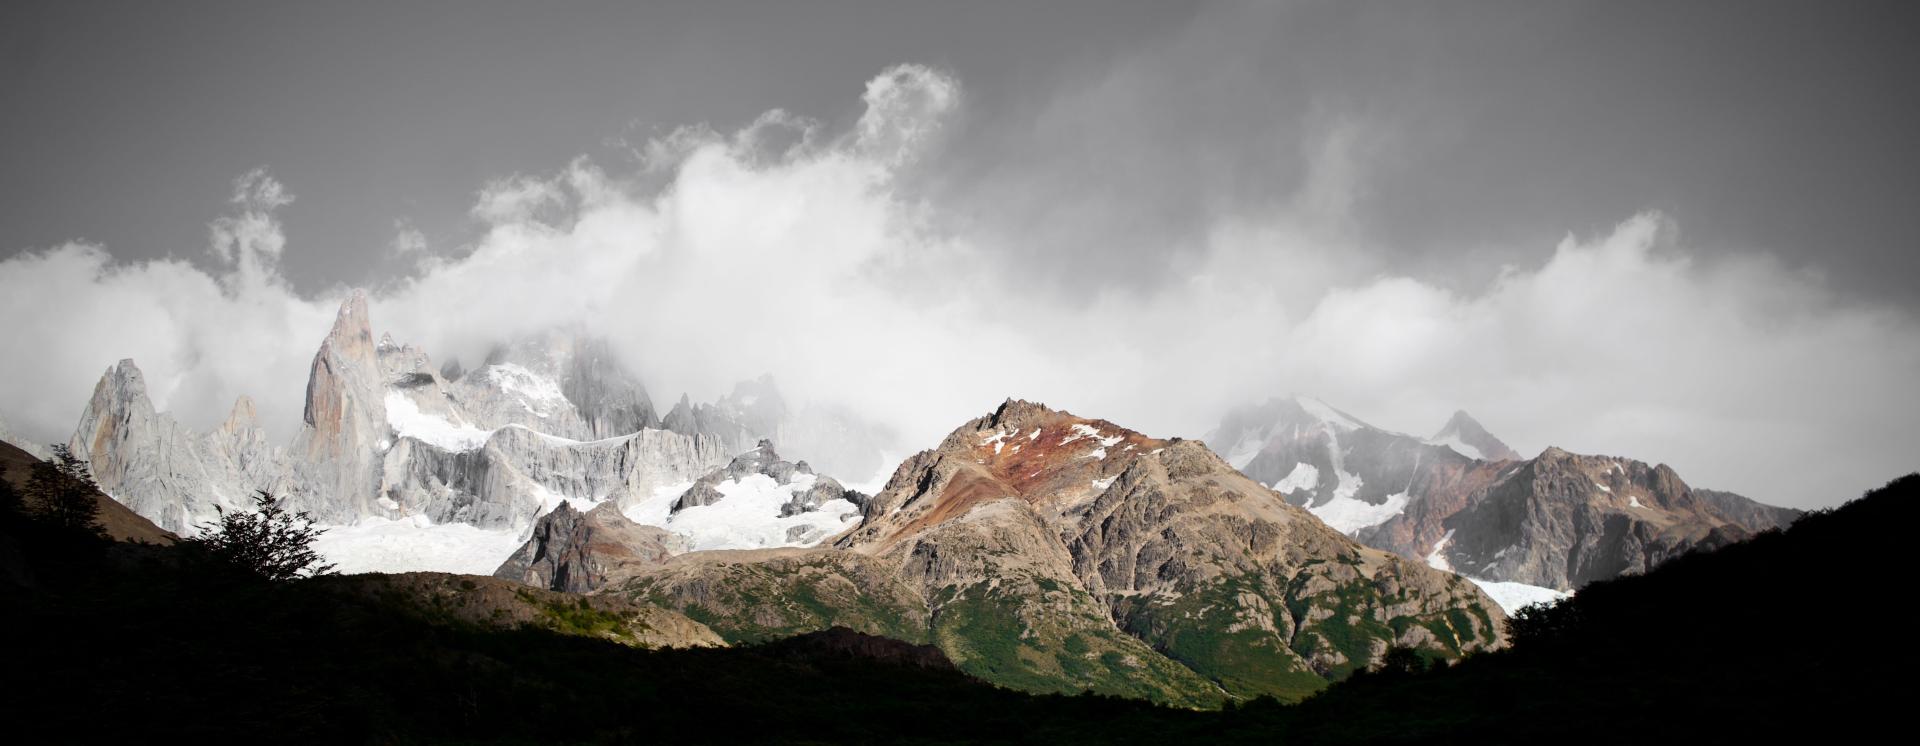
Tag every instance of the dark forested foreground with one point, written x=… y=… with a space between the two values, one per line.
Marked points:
x=1799 y=631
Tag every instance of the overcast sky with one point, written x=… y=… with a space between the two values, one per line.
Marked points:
x=1682 y=232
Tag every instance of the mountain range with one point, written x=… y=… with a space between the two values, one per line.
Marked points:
x=1464 y=501
x=1034 y=548
x=388 y=438
x=138 y=639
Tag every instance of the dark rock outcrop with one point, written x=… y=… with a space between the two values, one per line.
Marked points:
x=1561 y=520
x=581 y=552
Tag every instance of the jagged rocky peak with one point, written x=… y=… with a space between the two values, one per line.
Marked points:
x=406 y=366
x=809 y=490
x=345 y=420
x=122 y=388
x=1259 y=439
x=610 y=397
x=1561 y=520
x=1349 y=473
x=1465 y=435
x=159 y=468
x=244 y=416
x=344 y=408
x=561 y=381
x=1306 y=411
x=1024 y=450
x=752 y=411
x=580 y=552
x=244 y=443
x=118 y=413
x=680 y=418
x=1251 y=424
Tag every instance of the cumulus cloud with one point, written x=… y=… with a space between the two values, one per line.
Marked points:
x=408 y=241
x=1741 y=374
x=781 y=248
x=906 y=107
x=203 y=337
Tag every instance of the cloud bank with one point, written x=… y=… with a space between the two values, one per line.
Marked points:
x=827 y=259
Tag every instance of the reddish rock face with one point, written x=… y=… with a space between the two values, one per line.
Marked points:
x=337 y=453
x=343 y=387
x=1167 y=542
x=1052 y=460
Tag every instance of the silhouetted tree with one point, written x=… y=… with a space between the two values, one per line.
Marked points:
x=1541 y=624
x=62 y=492
x=1402 y=661
x=9 y=497
x=270 y=541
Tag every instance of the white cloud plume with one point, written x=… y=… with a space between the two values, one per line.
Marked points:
x=778 y=249
x=202 y=337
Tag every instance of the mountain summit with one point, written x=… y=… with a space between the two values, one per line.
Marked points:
x=1055 y=553
x=1464 y=434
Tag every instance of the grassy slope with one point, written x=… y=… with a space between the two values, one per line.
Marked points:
x=120 y=522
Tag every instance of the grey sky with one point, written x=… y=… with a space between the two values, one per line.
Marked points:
x=1148 y=211
x=1758 y=125
x=127 y=120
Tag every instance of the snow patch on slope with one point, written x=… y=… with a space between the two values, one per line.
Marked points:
x=408 y=421
x=550 y=500
x=1245 y=450
x=1327 y=414
x=1452 y=440
x=1347 y=514
x=1083 y=430
x=1513 y=597
x=416 y=544
x=747 y=516
x=1437 y=559
x=1304 y=476
x=539 y=394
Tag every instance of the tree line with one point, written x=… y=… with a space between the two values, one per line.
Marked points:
x=269 y=540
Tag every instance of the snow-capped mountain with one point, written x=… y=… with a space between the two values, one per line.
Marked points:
x=757 y=501
x=1463 y=501
x=1468 y=438
x=424 y=467
x=1349 y=473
